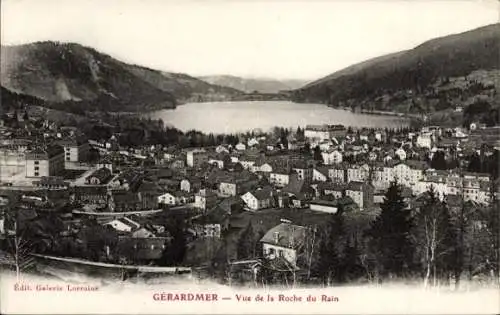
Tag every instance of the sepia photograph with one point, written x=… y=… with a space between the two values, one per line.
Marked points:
x=250 y=157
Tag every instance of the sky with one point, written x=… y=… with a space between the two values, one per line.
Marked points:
x=283 y=39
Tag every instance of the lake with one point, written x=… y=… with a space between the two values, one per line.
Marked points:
x=230 y=117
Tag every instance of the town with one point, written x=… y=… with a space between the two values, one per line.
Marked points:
x=290 y=206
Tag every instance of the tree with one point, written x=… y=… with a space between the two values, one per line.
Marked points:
x=491 y=216
x=246 y=243
x=438 y=161
x=434 y=235
x=329 y=260
x=299 y=134
x=351 y=263
x=317 y=154
x=390 y=235
x=174 y=254
x=21 y=247
x=474 y=163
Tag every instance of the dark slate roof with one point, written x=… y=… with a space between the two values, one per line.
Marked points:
x=322 y=169
x=332 y=186
x=297 y=187
x=353 y=185
x=102 y=174
x=289 y=235
x=263 y=193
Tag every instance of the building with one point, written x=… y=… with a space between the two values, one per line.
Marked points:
x=304 y=172
x=190 y=184
x=338 y=173
x=258 y=199
x=12 y=161
x=319 y=133
x=337 y=190
x=401 y=154
x=285 y=241
x=262 y=167
x=212 y=224
x=195 y=158
x=358 y=173
x=235 y=186
x=76 y=149
x=123 y=201
x=361 y=193
x=280 y=177
x=320 y=174
x=328 y=206
x=99 y=177
x=240 y=147
x=51 y=182
x=173 y=198
x=94 y=195
x=424 y=140
x=331 y=157
x=408 y=173
x=205 y=199
x=47 y=161
x=123 y=224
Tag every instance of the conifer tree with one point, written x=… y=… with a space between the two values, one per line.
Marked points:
x=328 y=267
x=246 y=243
x=390 y=235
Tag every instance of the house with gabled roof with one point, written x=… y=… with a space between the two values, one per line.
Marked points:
x=338 y=173
x=280 y=176
x=205 y=199
x=190 y=184
x=320 y=174
x=258 y=199
x=99 y=177
x=212 y=224
x=332 y=156
x=174 y=198
x=361 y=193
x=123 y=224
x=299 y=191
x=284 y=241
x=336 y=190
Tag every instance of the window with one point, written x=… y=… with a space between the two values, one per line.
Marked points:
x=36 y=162
x=36 y=168
x=36 y=173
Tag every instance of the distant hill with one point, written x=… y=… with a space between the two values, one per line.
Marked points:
x=438 y=74
x=248 y=85
x=78 y=77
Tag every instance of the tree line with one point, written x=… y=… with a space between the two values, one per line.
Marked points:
x=431 y=241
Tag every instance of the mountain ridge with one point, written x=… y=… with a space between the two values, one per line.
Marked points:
x=77 y=75
x=383 y=82
x=250 y=85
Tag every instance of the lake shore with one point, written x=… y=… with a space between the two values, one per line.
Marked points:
x=242 y=116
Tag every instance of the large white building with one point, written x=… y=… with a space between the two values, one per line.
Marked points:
x=48 y=161
x=408 y=174
x=358 y=173
x=195 y=158
x=320 y=133
x=76 y=149
x=331 y=157
x=424 y=140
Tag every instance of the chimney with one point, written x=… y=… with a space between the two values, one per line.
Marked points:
x=276 y=237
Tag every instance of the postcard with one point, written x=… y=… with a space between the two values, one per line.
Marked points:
x=249 y=157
